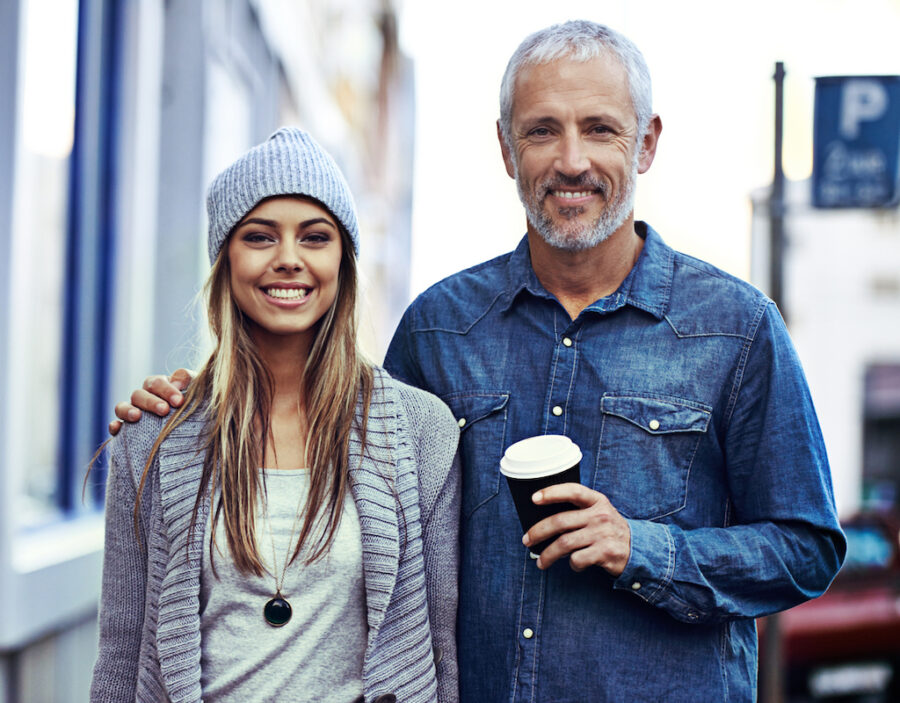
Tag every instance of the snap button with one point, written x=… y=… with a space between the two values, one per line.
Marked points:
x=527 y=633
x=567 y=342
x=636 y=586
x=692 y=615
x=654 y=424
x=461 y=422
x=557 y=410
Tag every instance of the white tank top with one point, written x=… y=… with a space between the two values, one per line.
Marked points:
x=318 y=654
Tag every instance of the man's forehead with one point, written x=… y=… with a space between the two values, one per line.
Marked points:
x=602 y=77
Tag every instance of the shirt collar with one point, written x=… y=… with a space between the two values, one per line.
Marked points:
x=647 y=286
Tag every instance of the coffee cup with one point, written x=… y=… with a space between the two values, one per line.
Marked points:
x=533 y=464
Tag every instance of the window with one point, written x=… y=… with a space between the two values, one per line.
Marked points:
x=45 y=127
x=881 y=437
x=59 y=105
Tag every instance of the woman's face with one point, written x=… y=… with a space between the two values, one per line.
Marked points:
x=285 y=256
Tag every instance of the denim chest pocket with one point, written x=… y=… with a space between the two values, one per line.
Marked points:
x=482 y=420
x=647 y=445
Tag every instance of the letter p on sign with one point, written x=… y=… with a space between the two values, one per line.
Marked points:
x=862 y=101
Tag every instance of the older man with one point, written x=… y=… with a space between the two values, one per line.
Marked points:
x=705 y=497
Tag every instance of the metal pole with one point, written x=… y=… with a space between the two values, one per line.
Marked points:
x=772 y=685
x=776 y=200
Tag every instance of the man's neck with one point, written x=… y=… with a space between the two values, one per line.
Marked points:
x=578 y=279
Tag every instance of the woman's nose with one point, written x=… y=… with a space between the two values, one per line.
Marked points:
x=288 y=257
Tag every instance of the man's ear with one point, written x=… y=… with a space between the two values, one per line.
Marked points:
x=648 y=144
x=504 y=149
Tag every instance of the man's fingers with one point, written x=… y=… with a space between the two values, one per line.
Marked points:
x=574 y=493
x=181 y=379
x=150 y=402
x=555 y=524
x=163 y=389
x=562 y=546
x=114 y=427
x=127 y=412
x=593 y=534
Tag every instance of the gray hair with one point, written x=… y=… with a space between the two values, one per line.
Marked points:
x=578 y=40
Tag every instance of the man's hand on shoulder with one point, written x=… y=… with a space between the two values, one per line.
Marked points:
x=158 y=395
x=595 y=534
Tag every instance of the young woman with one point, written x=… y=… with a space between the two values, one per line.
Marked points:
x=290 y=532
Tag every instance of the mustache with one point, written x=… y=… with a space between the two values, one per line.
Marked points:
x=583 y=181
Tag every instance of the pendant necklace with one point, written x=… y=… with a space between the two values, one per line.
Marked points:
x=277 y=610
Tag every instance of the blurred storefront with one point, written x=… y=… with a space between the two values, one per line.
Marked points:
x=114 y=114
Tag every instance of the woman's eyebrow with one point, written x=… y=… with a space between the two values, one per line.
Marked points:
x=274 y=223
x=317 y=221
x=258 y=221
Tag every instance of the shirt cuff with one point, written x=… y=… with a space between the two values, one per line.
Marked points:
x=651 y=563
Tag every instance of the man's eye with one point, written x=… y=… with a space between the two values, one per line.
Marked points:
x=539 y=132
x=600 y=129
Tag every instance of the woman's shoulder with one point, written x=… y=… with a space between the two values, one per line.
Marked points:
x=139 y=437
x=423 y=409
x=134 y=443
x=131 y=447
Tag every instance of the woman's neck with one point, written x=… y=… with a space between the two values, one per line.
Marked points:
x=285 y=358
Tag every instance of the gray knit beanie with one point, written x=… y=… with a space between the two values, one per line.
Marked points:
x=290 y=162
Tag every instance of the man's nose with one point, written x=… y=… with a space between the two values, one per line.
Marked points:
x=572 y=159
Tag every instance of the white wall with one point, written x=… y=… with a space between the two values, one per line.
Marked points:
x=842 y=304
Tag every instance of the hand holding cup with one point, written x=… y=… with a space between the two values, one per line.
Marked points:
x=533 y=464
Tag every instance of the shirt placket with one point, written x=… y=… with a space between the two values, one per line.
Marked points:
x=560 y=385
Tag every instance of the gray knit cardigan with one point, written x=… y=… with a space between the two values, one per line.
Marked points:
x=406 y=490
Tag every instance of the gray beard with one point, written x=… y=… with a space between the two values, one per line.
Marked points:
x=574 y=236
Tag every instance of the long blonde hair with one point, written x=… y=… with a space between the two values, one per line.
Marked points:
x=234 y=389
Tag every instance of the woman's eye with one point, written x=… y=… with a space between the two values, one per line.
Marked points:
x=316 y=238
x=258 y=238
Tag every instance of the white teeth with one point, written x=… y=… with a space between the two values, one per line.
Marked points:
x=287 y=293
x=569 y=194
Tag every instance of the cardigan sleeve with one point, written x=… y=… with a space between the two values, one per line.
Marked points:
x=436 y=435
x=124 y=580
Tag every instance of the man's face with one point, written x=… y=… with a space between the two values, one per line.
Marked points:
x=574 y=150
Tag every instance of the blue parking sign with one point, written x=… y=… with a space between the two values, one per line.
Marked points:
x=856 y=142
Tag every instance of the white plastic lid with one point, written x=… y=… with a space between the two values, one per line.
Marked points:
x=536 y=457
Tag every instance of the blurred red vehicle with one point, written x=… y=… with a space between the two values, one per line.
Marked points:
x=845 y=645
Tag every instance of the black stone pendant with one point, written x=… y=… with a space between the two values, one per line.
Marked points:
x=277 y=611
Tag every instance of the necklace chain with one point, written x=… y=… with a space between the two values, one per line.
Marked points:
x=279 y=581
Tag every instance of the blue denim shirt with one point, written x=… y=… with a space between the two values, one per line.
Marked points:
x=687 y=399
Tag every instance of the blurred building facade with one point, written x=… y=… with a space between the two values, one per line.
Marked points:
x=842 y=305
x=114 y=115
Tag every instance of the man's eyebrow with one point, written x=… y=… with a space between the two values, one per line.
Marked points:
x=535 y=119
x=605 y=118
x=602 y=117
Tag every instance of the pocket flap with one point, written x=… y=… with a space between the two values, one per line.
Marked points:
x=471 y=406
x=657 y=414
